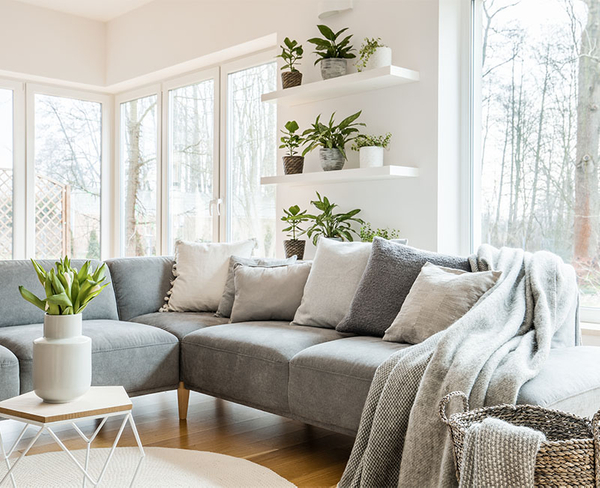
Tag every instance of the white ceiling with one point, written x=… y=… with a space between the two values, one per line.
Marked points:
x=102 y=10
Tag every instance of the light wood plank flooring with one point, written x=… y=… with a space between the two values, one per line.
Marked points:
x=306 y=456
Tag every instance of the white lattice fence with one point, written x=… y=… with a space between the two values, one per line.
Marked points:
x=51 y=218
x=6 y=210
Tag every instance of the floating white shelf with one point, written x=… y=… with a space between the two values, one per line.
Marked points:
x=373 y=79
x=343 y=176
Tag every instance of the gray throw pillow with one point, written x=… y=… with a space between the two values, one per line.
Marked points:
x=333 y=280
x=268 y=293
x=226 y=303
x=438 y=298
x=391 y=271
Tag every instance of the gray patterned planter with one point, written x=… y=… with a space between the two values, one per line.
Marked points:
x=333 y=67
x=331 y=159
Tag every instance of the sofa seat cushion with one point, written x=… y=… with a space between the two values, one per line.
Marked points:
x=329 y=382
x=139 y=357
x=180 y=324
x=9 y=374
x=247 y=362
x=568 y=381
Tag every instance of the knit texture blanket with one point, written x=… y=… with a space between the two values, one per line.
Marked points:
x=496 y=453
x=495 y=348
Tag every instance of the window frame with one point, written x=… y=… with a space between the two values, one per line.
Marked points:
x=226 y=69
x=118 y=242
x=19 y=166
x=33 y=89
x=586 y=314
x=166 y=87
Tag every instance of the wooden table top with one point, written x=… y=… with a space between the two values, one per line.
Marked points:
x=98 y=401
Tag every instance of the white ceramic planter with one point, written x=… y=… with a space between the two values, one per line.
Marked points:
x=62 y=360
x=370 y=157
x=380 y=58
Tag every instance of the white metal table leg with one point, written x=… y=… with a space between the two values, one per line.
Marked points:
x=139 y=443
x=27 y=449
x=12 y=477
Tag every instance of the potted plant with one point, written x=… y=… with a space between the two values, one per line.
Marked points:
x=291 y=53
x=373 y=54
x=370 y=149
x=292 y=163
x=332 y=139
x=294 y=217
x=333 y=54
x=62 y=358
x=367 y=234
x=331 y=225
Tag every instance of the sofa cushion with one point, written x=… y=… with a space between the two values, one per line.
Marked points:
x=390 y=273
x=16 y=311
x=139 y=357
x=180 y=324
x=9 y=374
x=247 y=362
x=141 y=284
x=568 y=381
x=329 y=382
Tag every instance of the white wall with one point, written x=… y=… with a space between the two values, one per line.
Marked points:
x=162 y=34
x=44 y=43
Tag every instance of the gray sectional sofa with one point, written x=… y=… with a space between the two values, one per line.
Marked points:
x=317 y=376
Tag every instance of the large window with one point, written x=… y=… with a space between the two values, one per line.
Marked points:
x=540 y=117
x=68 y=171
x=6 y=173
x=139 y=147
x=192 y=152
x=251 y=153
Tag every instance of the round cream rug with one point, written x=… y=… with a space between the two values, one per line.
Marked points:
x=161 y=467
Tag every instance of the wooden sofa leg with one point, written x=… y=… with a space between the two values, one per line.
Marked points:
x=183 y=400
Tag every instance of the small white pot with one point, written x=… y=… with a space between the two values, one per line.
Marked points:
x=62 y=360
x=370 y=156
x=380 y=58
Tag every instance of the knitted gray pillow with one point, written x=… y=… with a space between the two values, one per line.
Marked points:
x=391 y=271
x=226 y=303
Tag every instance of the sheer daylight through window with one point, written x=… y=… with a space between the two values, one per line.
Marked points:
x=540 y=131
x=6 y=174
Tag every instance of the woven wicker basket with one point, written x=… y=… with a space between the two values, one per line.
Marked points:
x=569 y=456
x=294 y=248
x=290 y=79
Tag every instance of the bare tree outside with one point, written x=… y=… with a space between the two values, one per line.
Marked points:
x=138 y=153
x=541 y=130
x=252 y=153
x=68 y=163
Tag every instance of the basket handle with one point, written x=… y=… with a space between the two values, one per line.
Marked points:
x=596 y=433
x=444 y=403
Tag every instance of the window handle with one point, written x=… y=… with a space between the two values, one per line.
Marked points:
x=219 y=203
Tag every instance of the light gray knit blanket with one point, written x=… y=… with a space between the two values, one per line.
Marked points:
x=496 y=453
x=500 y=344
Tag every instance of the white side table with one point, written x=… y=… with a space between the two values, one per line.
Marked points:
x=100 y=402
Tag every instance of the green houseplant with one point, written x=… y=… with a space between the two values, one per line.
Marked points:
x=291 y=141
x=332 y=52
x=294 y=217
x=332 y=139
x=63 y=348
x=367 y=233
x=291 y=53
x=373 y=54
x=331 y=225
x=370 y=149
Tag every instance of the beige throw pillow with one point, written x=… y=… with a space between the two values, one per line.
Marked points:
x=268 y=293
x=200 y=272
x=438 y=298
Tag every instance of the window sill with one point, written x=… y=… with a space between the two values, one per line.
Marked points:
x=589 y=328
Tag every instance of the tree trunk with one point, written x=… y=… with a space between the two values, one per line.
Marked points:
x=133 y=241
x=588 y=134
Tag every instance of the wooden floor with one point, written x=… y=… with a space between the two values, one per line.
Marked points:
x=304 y=455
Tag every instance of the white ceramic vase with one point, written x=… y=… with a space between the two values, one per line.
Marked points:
x=380 y=58
x=370 y=156
x=62 y=360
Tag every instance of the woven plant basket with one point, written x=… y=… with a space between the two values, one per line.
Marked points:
x=294 y=248
x=568 y=457
x=290 y=79
x=293 y=165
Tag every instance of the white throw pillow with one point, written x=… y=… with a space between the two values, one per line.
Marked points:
x=200 y=272
x=332 y=283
